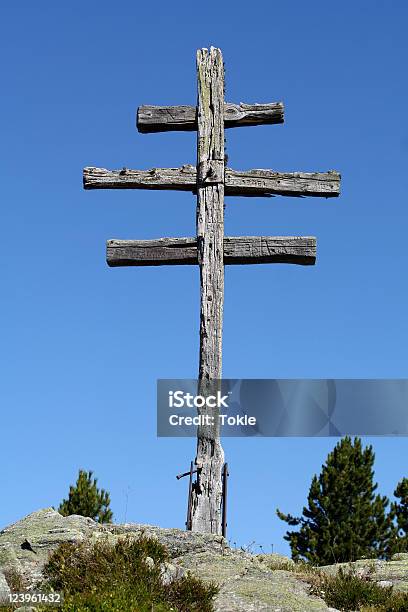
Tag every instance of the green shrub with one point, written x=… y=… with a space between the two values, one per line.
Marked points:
x=14 y=579
x=106 y=577
x=347 y=591
x=397 y=603
x=189 y=594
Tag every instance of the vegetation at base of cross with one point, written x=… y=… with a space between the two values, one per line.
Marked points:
x=106 y=577
x=86 y=499
x=344 y=519
x=14 y=579
x=347 y=591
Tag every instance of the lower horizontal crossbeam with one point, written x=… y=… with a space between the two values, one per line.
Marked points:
x=237 y=250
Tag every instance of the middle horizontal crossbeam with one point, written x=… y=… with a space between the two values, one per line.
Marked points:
x=243 y=183
x=237 y=250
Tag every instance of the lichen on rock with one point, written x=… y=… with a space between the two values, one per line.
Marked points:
x=247 y=582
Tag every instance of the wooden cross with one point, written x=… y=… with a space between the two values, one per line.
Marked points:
x=210 y=180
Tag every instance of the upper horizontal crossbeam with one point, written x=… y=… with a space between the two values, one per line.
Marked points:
x=184 y=118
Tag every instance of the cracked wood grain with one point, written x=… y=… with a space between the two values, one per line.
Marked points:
x=184 y=118
x=237 y=250
x=206 y=499
x=237 y=182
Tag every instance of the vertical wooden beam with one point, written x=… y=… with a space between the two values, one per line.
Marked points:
x=207 y=493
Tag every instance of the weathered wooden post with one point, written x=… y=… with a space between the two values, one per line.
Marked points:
x=210 y=249
x=207 y=492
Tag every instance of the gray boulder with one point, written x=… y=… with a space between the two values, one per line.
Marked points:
x=4 y=589
x=170 y=572
x=385 y=573
x=25 y=546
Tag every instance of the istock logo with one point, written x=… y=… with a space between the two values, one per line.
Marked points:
x=179 y=399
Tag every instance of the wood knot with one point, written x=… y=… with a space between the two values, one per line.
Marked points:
x=210 y=172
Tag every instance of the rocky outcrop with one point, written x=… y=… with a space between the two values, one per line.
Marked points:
x=247 y=582
x=4 y=589
x=43 y=531
x=385 y=573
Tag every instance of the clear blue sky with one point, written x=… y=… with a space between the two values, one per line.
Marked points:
x=83 y=345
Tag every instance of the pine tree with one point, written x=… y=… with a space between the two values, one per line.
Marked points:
x=86 y=499
x=344 y=519
x=399 y=513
